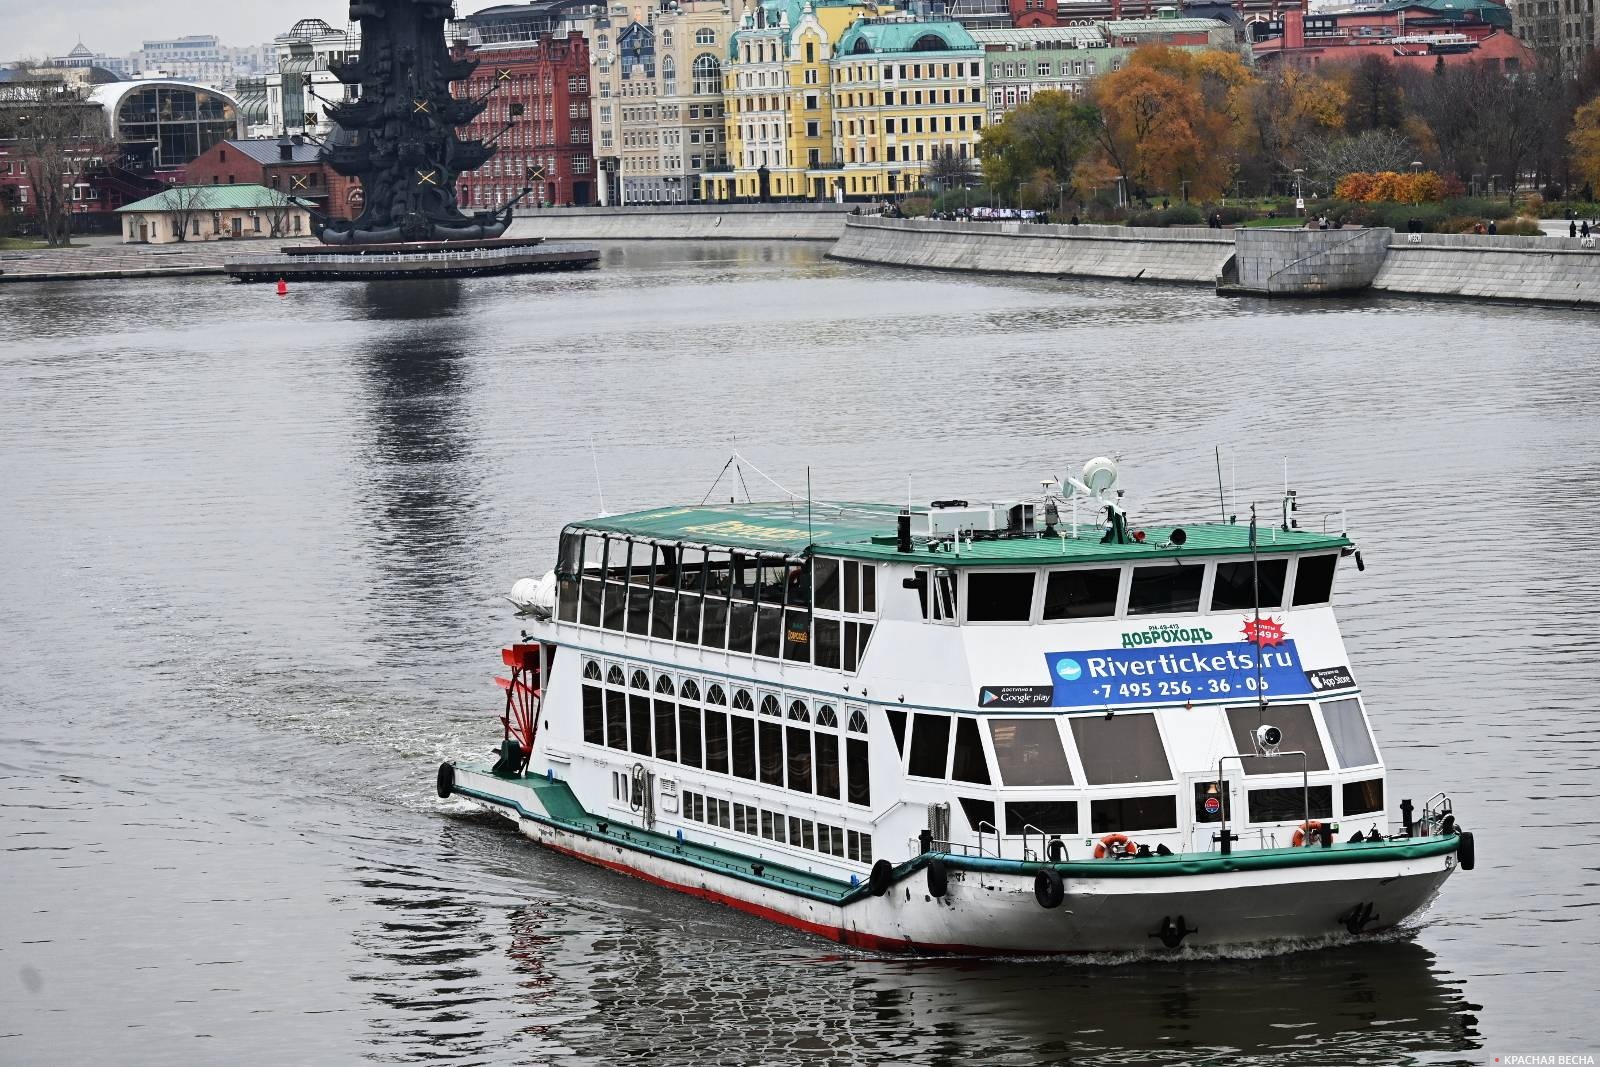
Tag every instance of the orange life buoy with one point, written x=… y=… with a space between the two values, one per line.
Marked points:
x=1109 y=842
x=1306 y=828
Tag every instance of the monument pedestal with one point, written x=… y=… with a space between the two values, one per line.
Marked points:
x=410 y=259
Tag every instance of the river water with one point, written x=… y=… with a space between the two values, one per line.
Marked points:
x=254 y=550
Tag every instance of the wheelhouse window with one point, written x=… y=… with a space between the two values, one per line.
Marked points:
x=1299 y=735
x=930 y=745
x=569 y=572
x=1363 y=798
x=1041 y=816
x=1081 y=594
x=1291 y=804
x=1029 y=752
x=1000 y=596
x=980 y=814
x=968 y=763
x=1347 y=730
x=1120 y=749
x=1235 y=586
x=1129 y=814
x=1168 y=589
x=1313 y=579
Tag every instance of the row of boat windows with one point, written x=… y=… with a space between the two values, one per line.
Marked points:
x=763 y=605
x=795 y=746
x=1121 y=749
x=1095 y=593
x=776 y=826
x=1133 y=814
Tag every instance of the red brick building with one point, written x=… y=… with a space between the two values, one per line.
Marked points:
x=291 y=165
x=1423 y=34
x=537 y=115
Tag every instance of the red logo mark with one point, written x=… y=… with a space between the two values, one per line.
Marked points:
x=1263 y=632
x=1213 y=805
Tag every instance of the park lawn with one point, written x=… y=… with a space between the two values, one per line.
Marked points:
x=1289 y=221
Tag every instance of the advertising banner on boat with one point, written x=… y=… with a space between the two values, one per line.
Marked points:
x=1175 y=673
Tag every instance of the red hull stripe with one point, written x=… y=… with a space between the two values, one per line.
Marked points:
x=853 y=938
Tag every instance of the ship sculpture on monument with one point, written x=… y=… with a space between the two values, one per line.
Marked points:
x=399 y=136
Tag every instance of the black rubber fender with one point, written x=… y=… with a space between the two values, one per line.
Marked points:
x=446 y=783
x=1056 y=850
x=881 y=878
x=938 y=879
x=1466 y=851
x=1047 y=888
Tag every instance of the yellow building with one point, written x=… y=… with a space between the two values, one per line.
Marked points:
x=778 y=92
x=903 y=94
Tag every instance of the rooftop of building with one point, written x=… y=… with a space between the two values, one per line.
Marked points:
x=868 y=531
x=214 y=198
x=876 y=36
x=268 y=150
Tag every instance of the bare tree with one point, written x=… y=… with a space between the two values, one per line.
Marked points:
x=946 y=170
x=53 y=128
x=1367 y=152
x=185 y=204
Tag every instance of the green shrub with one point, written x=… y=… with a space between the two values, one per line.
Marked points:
x=916 y=206
x=1179 y=215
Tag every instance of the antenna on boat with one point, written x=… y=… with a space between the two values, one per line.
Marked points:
x=601 y=493
x=808 y=504
x=1222 y=504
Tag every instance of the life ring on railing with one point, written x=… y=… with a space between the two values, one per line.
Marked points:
x=1306 y=831
x=1108 y=846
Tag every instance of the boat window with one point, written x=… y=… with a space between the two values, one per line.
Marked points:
x=798 y=579
x=770 y=752
x=869 y=588
x=616 y=719
x=797 y=634
x=999 y=596
x=1165 y=590
x=1128 y=814
x=1299 y=734
x=798 y=710
x=569 y=570
x=980 y=814
x=860 y=846
x=826 y=642
x=1045 y=816
x=594 y=722
x=852 y=586
x=614 y=610
x=827 y=765
x=591 y=669
x=1347 y=729
x=769 y=632
x=858 y=721
x=717 y=742
x=615 y=676
x=690 y=576
x=715 y=694
x=767 y=826
x=744 y=746
x=745 y=573
x=593 y=584
x=1235 y=584
x=826 y=583
x=1081 y=594
x=1122 y=748
x=639 y=680
x=689 y=736
x=690 y=691
x=666 y=730
x=665 y=594
x=742 y=700
x=827 y=717
x=799 y=742
x=1362 y=798
x=1204 y=791
x=1288 y=804
x=742 y=610
x=944 y=596
x=930 y=745
x=1029 y=752
x=639 y=723
x=714 y=609
x=769 y=706
x=897 y=726
x=1313 y=579
x=969 y=764
x=664 y=684
x=857 y=781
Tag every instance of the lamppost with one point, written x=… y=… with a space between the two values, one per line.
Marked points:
x=1299 y=195
x=1183 y=190
x=1416 y=166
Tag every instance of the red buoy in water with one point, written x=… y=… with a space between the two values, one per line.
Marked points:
x=283 y=287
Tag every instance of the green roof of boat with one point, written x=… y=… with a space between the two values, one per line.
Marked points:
x=867 y=531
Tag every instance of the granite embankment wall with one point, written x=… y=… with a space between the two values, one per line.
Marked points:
x=694 y=222
x=1275 y=262
x=1180 y=254
x=1557 y=270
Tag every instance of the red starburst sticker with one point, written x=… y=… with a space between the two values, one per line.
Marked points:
x=1263 y=631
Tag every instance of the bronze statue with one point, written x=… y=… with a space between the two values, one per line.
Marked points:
x=399 y=136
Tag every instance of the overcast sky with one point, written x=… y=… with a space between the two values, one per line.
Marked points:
x=44 y=28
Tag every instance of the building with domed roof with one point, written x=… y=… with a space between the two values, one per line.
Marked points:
x=299 y=88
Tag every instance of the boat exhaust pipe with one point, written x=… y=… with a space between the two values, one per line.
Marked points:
x=902 y=540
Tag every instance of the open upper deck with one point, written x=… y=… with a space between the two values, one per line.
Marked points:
x=1008 y=534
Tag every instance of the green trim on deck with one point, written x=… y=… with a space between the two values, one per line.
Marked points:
x=562 y=810
x=867 y=531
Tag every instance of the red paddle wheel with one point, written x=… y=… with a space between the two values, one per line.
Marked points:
x=521 y=718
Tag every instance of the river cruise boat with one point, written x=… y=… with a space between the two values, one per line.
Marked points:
x=1029 y=726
